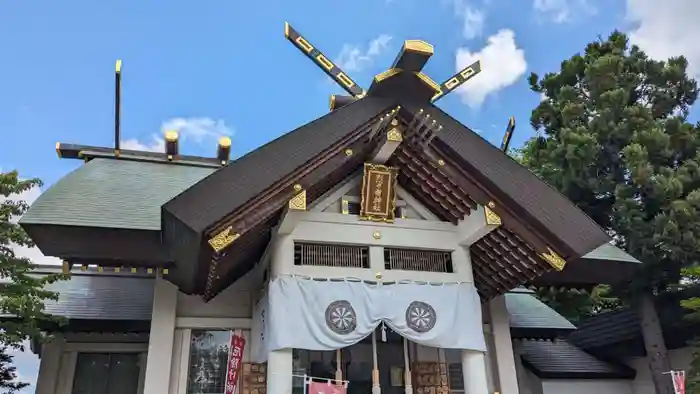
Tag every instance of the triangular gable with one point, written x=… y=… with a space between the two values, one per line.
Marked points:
x=345 y=199
x=451 y=173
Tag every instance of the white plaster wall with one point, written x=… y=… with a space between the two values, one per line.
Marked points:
x=642 y=384
x=529 y=383
x=320 y=227
x=235 y=301
x=570 y=386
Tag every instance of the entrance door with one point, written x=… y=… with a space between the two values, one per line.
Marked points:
x=358 y=365
x=391 y=364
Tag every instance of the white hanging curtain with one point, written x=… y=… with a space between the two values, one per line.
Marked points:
x=328 y=315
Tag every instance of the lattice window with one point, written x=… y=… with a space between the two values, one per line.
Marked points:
x=417 y=260
x=329 y=255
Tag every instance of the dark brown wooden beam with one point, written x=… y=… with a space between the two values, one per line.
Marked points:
x=278 y=194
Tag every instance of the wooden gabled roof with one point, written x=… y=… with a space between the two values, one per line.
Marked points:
x=450 y=172
x=444 y=164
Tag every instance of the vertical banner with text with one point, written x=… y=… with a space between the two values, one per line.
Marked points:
x=235 y=361
x=678 y=381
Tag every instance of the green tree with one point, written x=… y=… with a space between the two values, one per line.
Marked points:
x=614 y=138
x=577 y=305
x=22 y=295
x=692 y=276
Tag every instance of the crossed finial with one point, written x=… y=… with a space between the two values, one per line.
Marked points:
x=406 y=69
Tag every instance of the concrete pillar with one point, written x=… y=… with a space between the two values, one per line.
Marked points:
x=280 y=365
x=160 y=344
x=503 y=346
x=51 y=352
x=474 y=372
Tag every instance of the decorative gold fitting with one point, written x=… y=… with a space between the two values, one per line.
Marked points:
x=491 y=204
x=394 y=135
x=171 y=135
x=553 y=259
x=298 y=202
x=297 y=187
x=441 y=162
x=394 y=122
x=225 y=142
x=223 y=239
x=118 y=66
x=58 y=150
x=348 y=152
x=378 y=275
x=345 y=206
x=418 y=46
x=376 y=235
x=492 y=219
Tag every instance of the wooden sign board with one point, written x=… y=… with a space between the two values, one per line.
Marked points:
x=378 y=193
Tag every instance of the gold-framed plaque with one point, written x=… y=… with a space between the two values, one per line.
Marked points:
x=378 y=193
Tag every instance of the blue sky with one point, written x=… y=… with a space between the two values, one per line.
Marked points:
x=216 y=67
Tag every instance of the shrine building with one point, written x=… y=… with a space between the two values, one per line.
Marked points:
x=383 y=248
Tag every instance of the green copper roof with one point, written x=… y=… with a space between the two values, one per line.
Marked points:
x=114 y=194
x=609 y=251
x=526 y=311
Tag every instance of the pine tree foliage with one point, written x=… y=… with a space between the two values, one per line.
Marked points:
x=22 y=295
x=9 y=380
x=613 y=137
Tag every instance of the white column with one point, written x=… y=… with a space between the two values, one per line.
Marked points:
x=474 y=372
x=51 y=353
x=279 y=371
x=160 y=343
x=503 y=346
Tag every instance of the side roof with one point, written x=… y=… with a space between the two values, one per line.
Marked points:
x=109 y=194
x=560 y=359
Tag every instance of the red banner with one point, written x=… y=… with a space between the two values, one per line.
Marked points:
x=678 y=381
x=326 y=388
x=235 y=361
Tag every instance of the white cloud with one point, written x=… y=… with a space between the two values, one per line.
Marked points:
x=668 y=30
x=502 y=63
x=197 y=129
x=353 y=58
x=561 y=11
x=194 y=129
x=472 y=17
x=157 y=144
